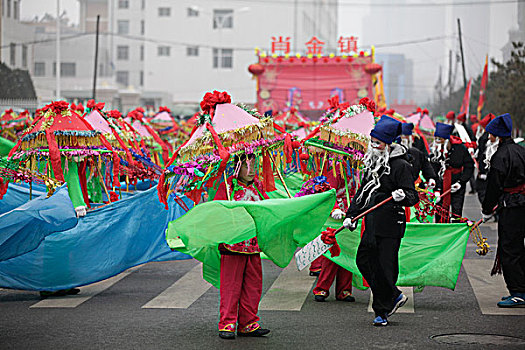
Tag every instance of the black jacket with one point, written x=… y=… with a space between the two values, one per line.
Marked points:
x=507 y=170
x=420 y=163
x=457 y=157
x=388 y=220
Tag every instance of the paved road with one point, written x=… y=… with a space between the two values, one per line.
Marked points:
x=168 y=305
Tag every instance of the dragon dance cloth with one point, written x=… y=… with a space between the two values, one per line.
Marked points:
x=430 y=254
x=104 y=243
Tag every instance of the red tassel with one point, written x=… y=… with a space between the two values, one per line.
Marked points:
x=165 y=149
x=83 y=181
x=3 y=187
x=54 y=156
x=268 y=179
x=223 y=153
x=288 y=150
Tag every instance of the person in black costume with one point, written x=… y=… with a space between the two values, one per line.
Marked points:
x=454 y=167
x=484 y=148
x=416 y=158
x=506 y=189
x=388 y=173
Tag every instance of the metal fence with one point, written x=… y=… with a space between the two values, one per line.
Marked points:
x=19 y=104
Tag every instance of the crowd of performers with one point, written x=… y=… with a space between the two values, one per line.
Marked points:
x=394 y=163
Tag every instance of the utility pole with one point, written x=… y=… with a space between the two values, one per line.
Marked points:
x=449 y=84
x=462 y=56
x=96 y=61
x=58 y=65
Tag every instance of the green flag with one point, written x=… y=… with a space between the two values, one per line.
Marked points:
x=280 y=225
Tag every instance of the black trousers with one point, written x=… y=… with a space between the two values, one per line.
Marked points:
x=379 y=264
x=481 y=188
x=511 y=247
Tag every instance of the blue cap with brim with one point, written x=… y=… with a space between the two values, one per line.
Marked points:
x=387 y=129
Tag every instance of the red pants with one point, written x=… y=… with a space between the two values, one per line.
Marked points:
x=329 y=271
x=315 y=266
x=240 y=291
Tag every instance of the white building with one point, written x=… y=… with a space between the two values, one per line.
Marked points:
x=192 y=47
x=14 y=36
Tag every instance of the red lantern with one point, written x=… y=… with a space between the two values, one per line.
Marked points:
x=256 y=69
x=373 y=68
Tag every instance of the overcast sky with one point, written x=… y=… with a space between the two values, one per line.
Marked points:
x=31 y=8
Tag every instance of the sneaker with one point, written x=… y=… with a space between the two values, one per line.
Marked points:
x=348 y=298
x=226 y=335
x=399 y=302
x=259 y=332
x=72 y=291
x=320 y=296
x=513 y=301
x=507 y=297
x=380 y=321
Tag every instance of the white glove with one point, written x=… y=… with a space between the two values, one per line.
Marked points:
x=338 y=214
x=349 y=224
x=81 y=211
x=486 y=217
x=437 y=197
x=431 y=184
x=482 y=176
x=398 y=195
x=455 y=187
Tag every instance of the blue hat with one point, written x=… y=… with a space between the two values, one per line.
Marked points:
x=386 y=129
x=501 y=126
x=443 y=130
x=406 y=128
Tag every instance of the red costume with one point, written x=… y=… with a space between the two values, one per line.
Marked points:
x=330 y=270
x=241 y=269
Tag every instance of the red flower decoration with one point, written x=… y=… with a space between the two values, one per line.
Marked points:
x=334 y=102
x=114 y=114
x=56 y=106
x=140 y=109
x=164 y=109
x=80 y=108
x=210 y=100
x=92 y=105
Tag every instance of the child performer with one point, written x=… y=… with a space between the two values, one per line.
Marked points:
x=241 y=269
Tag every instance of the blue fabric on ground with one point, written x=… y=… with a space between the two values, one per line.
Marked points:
x=23 y=228
x=18 y=194
x=104 y=243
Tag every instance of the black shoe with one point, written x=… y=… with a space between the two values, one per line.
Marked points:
x=226 y=335
x=72 y=291
x=57 y=293
x=259 y=332
x=320 y=298
x=315 y=273
x=349 y=299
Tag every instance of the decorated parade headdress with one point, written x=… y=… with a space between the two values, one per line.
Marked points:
x=443 y=130
x=501 y=126
x=407 y=129
x=451 y=115
x=387 y=129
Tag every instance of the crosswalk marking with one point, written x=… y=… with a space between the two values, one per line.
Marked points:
x=86 y=293
x=289 y=291
x=183 y=293
x=408 y=308
x=488 y=290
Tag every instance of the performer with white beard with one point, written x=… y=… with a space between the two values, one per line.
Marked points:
x=506 y=189
x=485 y=148
x=454 y=167
x=387 y=173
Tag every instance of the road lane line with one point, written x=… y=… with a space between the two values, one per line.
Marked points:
x=86 y=293
x=181 y=294
x=488 y=289
x=289 y=291
x=408 y=308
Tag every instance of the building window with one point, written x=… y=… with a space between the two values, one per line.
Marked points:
x=142 y=52
x=142 y=27
x=123 y=27
x=12 y=54
x=193 y=12
x=222 y=58
x=40 y=69
x=123 y=52
x=24 y=56
x=164 y=11
x=8 y=8
x=16 y=9
x=143 y=4
x=192 y=51
x=67 y=69
x=222 y=19
x=163 y=51
x=141 y=78
x=123 y=77
x=123 y=4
